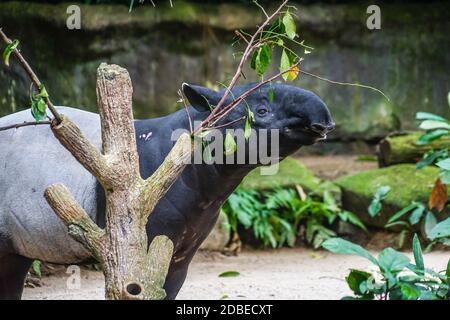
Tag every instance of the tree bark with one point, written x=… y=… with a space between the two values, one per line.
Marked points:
x=132 y=268
x=402 y=148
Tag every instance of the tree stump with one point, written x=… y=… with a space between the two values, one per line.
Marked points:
x=132 y=268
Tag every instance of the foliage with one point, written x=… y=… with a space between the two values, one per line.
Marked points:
x=396 y=278
x=436 y=127
x=36 y=267
x=38 y=104
x=276 y=216
x=375 y=204
x=228 y=274
x=8 y=50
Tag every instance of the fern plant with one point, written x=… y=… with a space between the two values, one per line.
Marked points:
x=276 y=217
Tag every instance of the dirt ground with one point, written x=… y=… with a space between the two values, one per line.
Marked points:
x=271 y=274
x=334 y=166
x=296 y=273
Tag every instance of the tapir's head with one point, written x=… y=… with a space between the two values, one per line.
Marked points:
x=299 y=115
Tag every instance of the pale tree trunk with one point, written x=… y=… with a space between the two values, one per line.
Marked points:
x=133 y=270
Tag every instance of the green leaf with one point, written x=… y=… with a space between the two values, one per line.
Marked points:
x=251 y=116
x=43 y=92
x=433 y=124
x=430 y=157
x=444 y=164
x=38 y=108
x=289 y=25
x=418 y=257
x=430 y=223
x=36 y=266
x=248 y=129
x=401 y=213
x=397 y=223
x=448 y=99
x=431 y=136
x=374 y=207
x=352 y=218
x=229 y=274
x=8 y=50
x=270 y=94
x=392 y=261
x=447 y=273
x=263 y=59
x=440 y=230
x=203 y=134
x=445 y=176
x=410 y=291
x=285 y=65
x=417 y=214
x=341 y=246
x=276 y=27
x=355 y=279
x=382 y=192
x=253 y=61
x=229 y=144
x=429 y=116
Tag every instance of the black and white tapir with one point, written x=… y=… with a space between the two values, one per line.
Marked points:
x=31 y=159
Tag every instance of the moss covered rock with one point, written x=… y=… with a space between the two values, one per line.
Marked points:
x=406 y=182
x=291 y=173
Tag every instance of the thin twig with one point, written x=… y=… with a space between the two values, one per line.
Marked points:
x=345 y=83
x=262 y=8
x=24 y=124
x=233 y=104
x=248 y=50
x=32 y=76
x=240 y=35
x=227 y=124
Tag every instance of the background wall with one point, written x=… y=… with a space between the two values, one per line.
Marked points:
x=162 y=47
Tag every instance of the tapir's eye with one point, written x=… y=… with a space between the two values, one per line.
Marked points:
x=262 y=111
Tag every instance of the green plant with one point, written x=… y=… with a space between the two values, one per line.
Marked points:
x=375 y=205
x=397 y=278
x=276 y=216
x=436 y=127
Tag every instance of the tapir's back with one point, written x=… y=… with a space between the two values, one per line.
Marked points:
x=30 y=160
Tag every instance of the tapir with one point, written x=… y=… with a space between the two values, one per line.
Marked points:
x=31 y=159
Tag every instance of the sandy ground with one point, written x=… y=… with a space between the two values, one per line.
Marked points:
x=282 y=274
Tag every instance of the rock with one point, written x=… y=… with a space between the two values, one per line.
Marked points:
x=291 y=173
x=163 y=47
x=219 y=236
x=406 y=182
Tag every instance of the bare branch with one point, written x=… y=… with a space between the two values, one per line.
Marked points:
x=240 y=35
x=228 y=123
x=32 y=76
x=80 y=225
x=24 y=124
x=87 y=154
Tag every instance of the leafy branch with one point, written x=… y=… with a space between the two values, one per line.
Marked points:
x=42 y=99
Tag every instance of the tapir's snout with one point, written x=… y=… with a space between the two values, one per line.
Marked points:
x=322 y=129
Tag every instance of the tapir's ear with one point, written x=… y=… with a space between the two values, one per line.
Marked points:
x=201 y=98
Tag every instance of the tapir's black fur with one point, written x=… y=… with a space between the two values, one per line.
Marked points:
x=190 y=209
